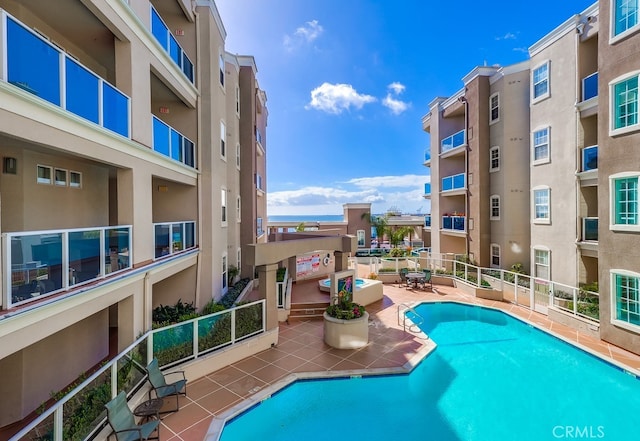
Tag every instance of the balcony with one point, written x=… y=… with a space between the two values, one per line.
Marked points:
x=427 y=157
x=454 y=141
x=261 y=150
x=590 y=229
x=259 y=186
x=46 y=262
x=590 y=86
x=453 y=183
x=427 y=190
x=41 y=68
x=171 y=143
x=588 y=174
x=454 y=223
x=427 y=221
x=168 y=42
x=173 y=237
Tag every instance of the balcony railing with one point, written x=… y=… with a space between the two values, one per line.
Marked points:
x=590 y=86
x=168 y=42
x=590 y=158
x=45 y=262
x=427 y=155
x=171 y=143
x=590 y=229
x=39 y=67
x=259 y=182
x=456 y=140
x=258 y=136
x=427 y=221
x=453 y=182
x=427 y=188
x=455 y=223
x=173 y=237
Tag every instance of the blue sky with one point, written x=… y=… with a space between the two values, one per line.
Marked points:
x=348 y=82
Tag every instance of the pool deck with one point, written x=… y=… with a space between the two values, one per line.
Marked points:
x=301 y=352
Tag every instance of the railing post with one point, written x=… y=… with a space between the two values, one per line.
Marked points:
x=58 y=423
x=195 y=338
x=575 y=302
x=233 y=325
x=149 y=351
x=532 y=294
x=515 y=288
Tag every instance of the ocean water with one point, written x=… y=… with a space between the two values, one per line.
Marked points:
x=307 y=218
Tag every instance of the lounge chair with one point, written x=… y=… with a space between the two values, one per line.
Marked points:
x=163 y=389
x=123 y=423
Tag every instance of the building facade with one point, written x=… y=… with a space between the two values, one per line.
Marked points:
x=124 y=185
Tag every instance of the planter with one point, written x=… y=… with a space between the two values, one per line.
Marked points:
x=346 y=334
x=477 y=291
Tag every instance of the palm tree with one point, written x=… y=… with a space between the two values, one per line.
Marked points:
x=379 y=223
x=398 y=235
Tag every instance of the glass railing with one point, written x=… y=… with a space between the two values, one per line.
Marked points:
x=168 y=42
x=171 y=143
x=590 y=86
x=173 y=237
x=427 y=221
x=427 y=155
x=259 y=182
x=39 y=67
x=45 y=262
x=456 y=140
x=590 y=158
x=259 y=230
x=453 y=182
x=590 y=229
x=427 y=188
x=456 y=223
x=258 y=137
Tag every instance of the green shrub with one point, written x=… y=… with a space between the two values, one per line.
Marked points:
x=397 y=252
x=166 y=315
x=280 y=274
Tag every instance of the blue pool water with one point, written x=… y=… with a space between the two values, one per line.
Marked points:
x=359 y=283
x=491 y=378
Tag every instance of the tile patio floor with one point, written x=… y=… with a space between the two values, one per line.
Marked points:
x=301 y=351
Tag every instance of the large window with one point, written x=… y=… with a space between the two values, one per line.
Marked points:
x=541 y=264
x=624 y=103
x=625 y=15
x=494 y=159
x=495 y=207
x=625 y=293
x=494 y=108
x=541 y=145
x=624 y=200
x=495 y=255
x=541 y=205
x=540 y=81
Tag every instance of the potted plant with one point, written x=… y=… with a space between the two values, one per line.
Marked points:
x=346 y=323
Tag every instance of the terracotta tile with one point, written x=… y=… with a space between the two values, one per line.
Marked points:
x=201 y=387
x=197 y=431
x=271 y=355
x=310 y=367
x=246 y=386
x=250 y=364
x=290 y=362
x=218 y=401
x=226 y=375
x=347 y=365
x=184 y=418
x=326 y=360
x=289 y=346
x=271 y=374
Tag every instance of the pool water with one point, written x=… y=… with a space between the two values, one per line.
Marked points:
x=491 y=378
x=359 y=283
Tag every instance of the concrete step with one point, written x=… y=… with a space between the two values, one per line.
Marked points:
x=307 y=311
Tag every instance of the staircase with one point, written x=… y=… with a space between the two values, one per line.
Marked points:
x=307 y=311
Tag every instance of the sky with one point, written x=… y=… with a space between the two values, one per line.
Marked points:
x=348 y=82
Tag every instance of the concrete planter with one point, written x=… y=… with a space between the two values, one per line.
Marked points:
x=346 y=334
x=480 y=292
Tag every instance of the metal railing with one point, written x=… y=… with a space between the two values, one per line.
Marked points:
x=456 y=140
x=171 y=345
x=173 y=237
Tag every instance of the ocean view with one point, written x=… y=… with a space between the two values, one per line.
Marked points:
x=307 y=218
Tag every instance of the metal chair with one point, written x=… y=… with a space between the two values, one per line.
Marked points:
x=163 y=389
x=123 y=423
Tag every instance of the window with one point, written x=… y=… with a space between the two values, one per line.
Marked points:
x=625 y=293
x=541 y=146
x=44 y=174
x=75 y=179
x=259 y=231
x=221 y=64
x=223 y=134
x=237 y=101
x=541 y=205
x=494 y=159
x=625 y=15
x=624 y=202
x=223 y=203
x=495 y=255
x=541 y=264
x=494 y=108
x=360 y=236
x=238 y=209
x=624 y=104
x=495 y=207
x=540 y=80
x=239 y=256
x=224 y=273
x=238 y=156
x=60 y=177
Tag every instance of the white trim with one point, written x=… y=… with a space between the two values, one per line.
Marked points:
x=66 y=177
x=612 y=199
x=533 y=261
x=224 y=203
x=613 y=299
x=495 y=197
x=491 y=150
x=547 y=94
x=224 y=260
x=547 y=159
x=238 y=208
x=494 y=95
x=627 y=129
x=491 y=255
x=238 y=155
x=223 y=139
x=613 y=39
x=38 y=179
x=542 y=221
x=73 y=185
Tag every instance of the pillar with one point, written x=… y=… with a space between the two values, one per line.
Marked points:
x=342 y=261
x=267 y=280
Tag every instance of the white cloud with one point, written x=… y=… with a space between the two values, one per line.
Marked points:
x=335 y=98
x=389 y=181
x=524 y=50
x=307 y=33
x=395 y=105
x=507 y=36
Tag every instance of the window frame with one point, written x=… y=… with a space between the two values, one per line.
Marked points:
x=493 y=120
x=221 y=66
x=547 y=93
x=492 y=255
x=79 y=175
x=535 y=219
x=44 y=181
x=535 y=263
x=494 y=198
x=225 y=271
x=546 y=159
x=224 y=212
x=238 y=151
x=613 y=273
x=60 y=183
x=614 y=37
x=613 y=202
x=223 y=142
x=493 y=149
x=238 y=209
x=613 y=131
x=237 y=101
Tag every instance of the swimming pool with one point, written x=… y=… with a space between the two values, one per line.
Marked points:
x=492 y=377
x=325 y=284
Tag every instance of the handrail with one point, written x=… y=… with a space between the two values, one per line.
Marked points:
x=417 y=320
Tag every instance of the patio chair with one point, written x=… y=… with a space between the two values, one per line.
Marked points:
x=123 y=423
x=427 y=278
x=403 y=277
x=163 y=389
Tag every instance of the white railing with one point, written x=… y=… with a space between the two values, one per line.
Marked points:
x=456 y=140
x=171 y=345
x=281 y=290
